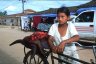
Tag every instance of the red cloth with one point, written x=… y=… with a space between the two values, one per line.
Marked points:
x=36 y=36
x=36 y=21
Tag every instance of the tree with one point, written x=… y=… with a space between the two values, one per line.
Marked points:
x=3 y=13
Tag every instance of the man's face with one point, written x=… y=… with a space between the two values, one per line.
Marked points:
x=62 y=18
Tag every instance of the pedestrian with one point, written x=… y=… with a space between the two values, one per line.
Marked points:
x=26 y=26
x=63 y=35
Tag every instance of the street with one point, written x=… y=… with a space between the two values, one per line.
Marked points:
x=11 y=54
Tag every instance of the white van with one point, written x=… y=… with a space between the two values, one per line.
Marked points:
x=85 y=23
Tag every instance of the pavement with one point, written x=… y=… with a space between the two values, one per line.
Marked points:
x=14 y=54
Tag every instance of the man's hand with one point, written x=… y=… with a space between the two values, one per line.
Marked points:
x=61 y=46
x=54 y=49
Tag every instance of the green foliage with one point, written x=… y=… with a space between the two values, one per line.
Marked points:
x=3 y=13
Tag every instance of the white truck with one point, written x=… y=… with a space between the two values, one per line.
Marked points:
x=85 y=23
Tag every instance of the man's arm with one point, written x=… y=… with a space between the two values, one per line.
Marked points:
x=68 y=41
x=52 y=46
x=50 y=41
x=75 y=38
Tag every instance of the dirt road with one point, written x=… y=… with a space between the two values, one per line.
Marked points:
x=11 y=54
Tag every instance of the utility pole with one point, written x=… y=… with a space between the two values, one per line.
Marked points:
x=23 y=1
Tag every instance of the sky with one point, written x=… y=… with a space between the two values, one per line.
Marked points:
x=15 y=6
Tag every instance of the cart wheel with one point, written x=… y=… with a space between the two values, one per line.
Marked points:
x=30 y=54
x=32 y=59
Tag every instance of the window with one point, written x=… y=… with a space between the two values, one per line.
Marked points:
x=85 y=17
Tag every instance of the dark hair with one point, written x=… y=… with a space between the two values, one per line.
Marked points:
x=63 y=10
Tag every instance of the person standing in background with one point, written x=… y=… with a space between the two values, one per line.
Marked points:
x=26 y=26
